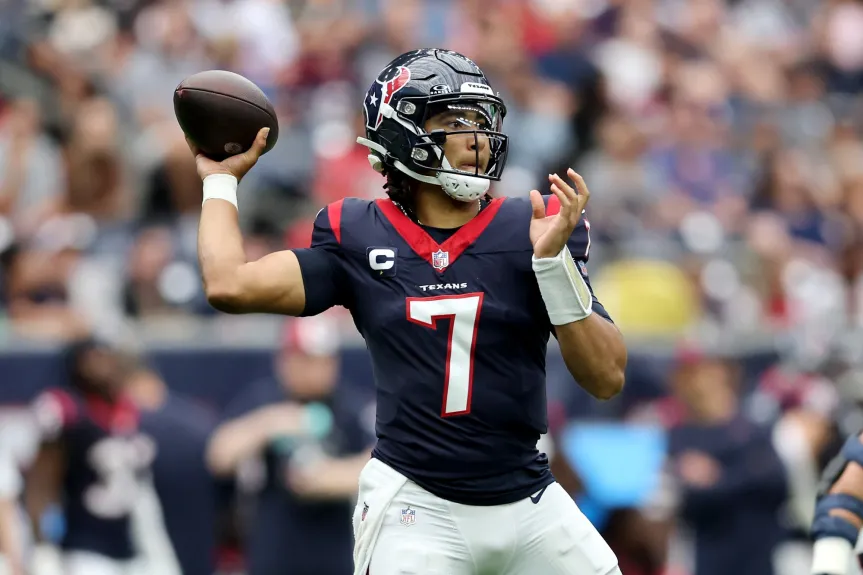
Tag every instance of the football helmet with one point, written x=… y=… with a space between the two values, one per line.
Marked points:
x=417 y=86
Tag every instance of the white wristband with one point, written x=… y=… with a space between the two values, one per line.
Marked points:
x=220 y=187
x=565 y=293
x=831 y=556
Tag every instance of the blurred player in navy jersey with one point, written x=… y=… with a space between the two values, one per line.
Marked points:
x=308 y=427
x=187 y=492
x=456 y=294
x=95 y=463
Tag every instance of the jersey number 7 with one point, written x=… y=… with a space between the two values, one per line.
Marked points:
x=462 y=311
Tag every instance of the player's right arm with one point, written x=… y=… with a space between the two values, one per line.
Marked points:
x=272 y=284
x=276 y=283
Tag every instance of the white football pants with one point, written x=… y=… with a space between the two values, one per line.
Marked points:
x=422 y=534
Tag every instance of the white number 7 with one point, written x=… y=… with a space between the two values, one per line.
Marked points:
x=462 y=311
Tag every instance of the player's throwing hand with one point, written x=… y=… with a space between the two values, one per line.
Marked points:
x=237 y=165
x=549 y=234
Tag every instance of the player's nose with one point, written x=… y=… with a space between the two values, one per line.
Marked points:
x=477 y=141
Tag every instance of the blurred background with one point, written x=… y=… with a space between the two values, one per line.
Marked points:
x=721 y=141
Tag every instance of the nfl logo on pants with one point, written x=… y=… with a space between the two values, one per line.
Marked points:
x=409 y=516
x=440 y=259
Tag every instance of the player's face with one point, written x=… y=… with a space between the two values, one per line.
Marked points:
x=707 y=388
x=100 y=371
x=464 y=149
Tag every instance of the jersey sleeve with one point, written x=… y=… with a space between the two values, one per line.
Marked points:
x=579 y=247
x=322 y=265
x=53 y=412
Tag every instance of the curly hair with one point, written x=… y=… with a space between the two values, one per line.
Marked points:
x=399 y=188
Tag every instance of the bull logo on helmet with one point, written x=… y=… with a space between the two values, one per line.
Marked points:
x=382 y=91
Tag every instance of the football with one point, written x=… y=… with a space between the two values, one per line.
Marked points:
x=221 y=113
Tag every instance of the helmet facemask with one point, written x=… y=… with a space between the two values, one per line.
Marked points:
x=463 y=115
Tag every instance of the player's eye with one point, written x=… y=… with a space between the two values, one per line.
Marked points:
x=465 y=124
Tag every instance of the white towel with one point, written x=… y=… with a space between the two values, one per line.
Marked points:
x=379 y=485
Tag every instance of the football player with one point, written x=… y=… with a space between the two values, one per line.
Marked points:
x=455 y=294
x=94 y=463
x=839 y=511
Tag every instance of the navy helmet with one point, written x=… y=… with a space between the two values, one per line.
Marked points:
x=416 y=86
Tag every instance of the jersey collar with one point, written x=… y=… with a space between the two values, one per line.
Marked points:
x=440 y=256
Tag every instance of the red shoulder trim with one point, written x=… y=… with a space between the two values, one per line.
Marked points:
x=334 y=212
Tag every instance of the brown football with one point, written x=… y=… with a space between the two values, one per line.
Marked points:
x=222 y=112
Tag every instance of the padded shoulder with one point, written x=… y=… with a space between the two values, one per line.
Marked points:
x=341 y=221
x=53 y=411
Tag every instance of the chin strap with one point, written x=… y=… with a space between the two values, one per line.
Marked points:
x=460 y=187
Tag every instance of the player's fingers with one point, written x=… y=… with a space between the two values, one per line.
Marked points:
x=260 y=142
x=583 y=192
x=565 y=188
x=537 y=204
x=565 y=203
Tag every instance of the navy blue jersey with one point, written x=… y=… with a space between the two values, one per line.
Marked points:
x=457 y=332
x=105 y=458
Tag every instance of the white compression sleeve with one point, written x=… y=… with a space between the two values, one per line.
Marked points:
x=220 y=187
x=566 y=294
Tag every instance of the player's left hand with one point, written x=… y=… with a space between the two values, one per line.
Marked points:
x=549 y=234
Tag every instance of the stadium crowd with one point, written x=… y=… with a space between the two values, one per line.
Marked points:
x=722 y=142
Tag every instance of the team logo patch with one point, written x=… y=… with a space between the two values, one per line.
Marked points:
x=409 y=517
x=382 y=91
x=440 y=260
x=582 y=267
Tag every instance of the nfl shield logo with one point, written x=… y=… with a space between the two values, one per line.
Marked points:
x=582 y=267
x=440 y=260
x=409 y=517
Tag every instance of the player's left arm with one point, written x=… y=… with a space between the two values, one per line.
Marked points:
x=838 y=510
x=591 y=345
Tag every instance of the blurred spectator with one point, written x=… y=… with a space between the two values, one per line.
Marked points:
x=731 y=481
x=313 y=433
